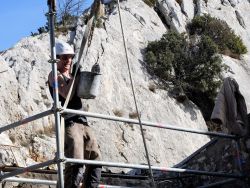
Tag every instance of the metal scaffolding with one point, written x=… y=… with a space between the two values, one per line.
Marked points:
x=48 y=182
x=58 y=111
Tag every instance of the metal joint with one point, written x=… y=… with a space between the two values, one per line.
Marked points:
x=60 y=109
x=50 y=13
x=62 y=160
x=53 y=61
x=57 y=109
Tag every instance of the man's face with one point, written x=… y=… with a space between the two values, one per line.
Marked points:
x=65 y=62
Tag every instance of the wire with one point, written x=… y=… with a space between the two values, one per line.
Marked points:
x=135 y=101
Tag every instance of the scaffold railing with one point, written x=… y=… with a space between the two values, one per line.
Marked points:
x=150 y=124
x=49 y=182
x=113 y=164
x=60 y=158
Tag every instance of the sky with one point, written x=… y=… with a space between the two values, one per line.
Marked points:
x=18 y=18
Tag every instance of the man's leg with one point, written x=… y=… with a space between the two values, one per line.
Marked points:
x=92 y=176
x=73 y=149
x=93 y=172
x=73 y=176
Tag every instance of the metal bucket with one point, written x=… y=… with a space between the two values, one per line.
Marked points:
x=88 y=86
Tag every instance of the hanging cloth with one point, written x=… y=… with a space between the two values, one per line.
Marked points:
x=230 y=109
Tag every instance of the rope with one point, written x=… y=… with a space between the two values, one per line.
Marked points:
x=134 y=97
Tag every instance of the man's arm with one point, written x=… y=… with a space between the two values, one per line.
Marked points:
x=63 y=86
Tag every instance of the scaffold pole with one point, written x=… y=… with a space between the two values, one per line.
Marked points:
x=27 y=169
x=29 y=180
x=59 y=153
x=50 y=182
x=26 y=120
x=145 y=167
x=147 y=123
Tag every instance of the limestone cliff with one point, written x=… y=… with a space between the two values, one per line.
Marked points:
x=24 y=91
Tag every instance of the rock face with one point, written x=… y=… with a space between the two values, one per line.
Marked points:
x=174 y=15
x=24 y=91
x=9 y=95
x=124 y=140
x=234 y=12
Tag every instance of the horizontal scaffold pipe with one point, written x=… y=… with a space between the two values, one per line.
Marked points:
x=145 y=167
x=29 y=180
x=26 y=120
x=146 y=123
x=111 y=186
x=49 y=182
x=104 y=174
x=27 y=169
x=40 y=171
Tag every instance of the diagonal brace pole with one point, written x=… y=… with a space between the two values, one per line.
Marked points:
x=24 y=121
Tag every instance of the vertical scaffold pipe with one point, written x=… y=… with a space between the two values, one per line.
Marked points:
x=59 y=153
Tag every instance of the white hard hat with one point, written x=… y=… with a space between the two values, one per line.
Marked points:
x=63 y=48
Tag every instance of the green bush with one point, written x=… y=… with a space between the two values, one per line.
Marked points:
x=218 y=30
x=208 y=67
x=194 y=67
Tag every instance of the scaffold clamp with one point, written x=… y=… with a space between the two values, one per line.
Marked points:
x=53 y=61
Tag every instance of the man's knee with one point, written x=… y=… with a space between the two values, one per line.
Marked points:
x=92 y=150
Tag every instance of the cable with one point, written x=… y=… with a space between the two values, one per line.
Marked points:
x=133 y=91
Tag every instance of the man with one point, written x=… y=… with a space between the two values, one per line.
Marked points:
x=80 y=142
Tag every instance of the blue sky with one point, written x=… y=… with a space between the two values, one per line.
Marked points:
x=21 y=17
